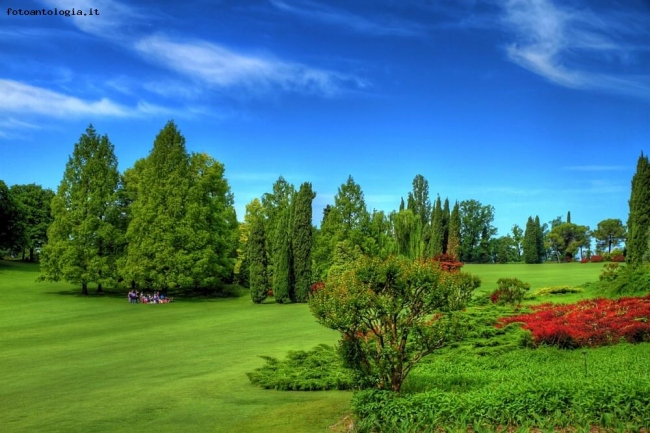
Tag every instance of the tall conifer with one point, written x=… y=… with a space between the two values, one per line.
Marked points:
x=531 y=251
x=257 y=260
x=83 y=239
x=638 y=223
x=302 y=242
x=453 y=244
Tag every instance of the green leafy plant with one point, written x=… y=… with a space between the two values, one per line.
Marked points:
x=509 y=291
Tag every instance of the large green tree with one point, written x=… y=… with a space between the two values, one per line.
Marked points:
x=34 y=202
x=302 y=241
x=279 y=217
x=84 y=240
x=530 y=242
x=476 y=231
x=638 y=222
x=609 y=234
x=567 y=239
x=257 y=260
x=437 y=231
x=182 y=219
x=11 y=227
x=453 y=243
x=390 y=314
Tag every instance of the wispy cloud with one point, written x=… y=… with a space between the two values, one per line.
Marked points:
x=113 y=16
x=223 y=67
x=559 y=42
x=20 y=98
x=378 y=26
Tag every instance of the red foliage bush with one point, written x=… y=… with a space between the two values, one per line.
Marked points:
x=592 y=323
x=597 y=259
x=448 y=262
x=584 y=260
x=618 y=258
x=319 y=285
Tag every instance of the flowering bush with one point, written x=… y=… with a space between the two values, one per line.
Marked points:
x=597 y=259
x=584 y=260
x=448 y=262
x=594 y=322
x=618 y=258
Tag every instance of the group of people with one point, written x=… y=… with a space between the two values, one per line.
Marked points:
x=136 y=297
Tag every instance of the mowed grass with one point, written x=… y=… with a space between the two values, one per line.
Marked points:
x=538 y=276
x=97 y=363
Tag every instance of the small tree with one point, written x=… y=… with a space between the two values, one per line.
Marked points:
x=391 y=313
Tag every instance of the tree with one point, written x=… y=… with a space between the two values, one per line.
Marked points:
x=437 y=235
x=541 y=233
x=567 y=238
x=517 y=239
x=257 y=260
x=34 y=204
x=254 y=210
x=351 y=212
x=446 y=216
x=453 y=244
x=609 y=234
x=638 y=223
x=11 y=229
x=279 y=214
x=418 y=199
x=391 y=313
x=182 y=227
x=476 y=230
x=302 y=241
x=84 y=240
x=530 y=243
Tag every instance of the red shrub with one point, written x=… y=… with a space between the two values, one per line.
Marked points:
x=319 y=285
x=595 y=322
x=448 y=262
x=597 y=259
x=618 y=258
x=584 y=260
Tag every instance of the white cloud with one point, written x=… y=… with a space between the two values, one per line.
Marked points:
x=222 y=67
x=558 y=43
x=112 y=16
x=23 y=98
x=328 y=15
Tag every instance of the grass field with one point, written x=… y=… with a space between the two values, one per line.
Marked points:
x=97 y=363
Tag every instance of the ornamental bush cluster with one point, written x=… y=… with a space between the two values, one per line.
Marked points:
x=591 y=323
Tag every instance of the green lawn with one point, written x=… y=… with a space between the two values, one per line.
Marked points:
x=97 y=363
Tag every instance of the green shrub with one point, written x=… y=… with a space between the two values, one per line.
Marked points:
x=621 y=280
x=318 y=369
x=557 y=290
x=509 y=291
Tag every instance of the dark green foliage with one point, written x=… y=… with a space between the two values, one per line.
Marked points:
x=609 y=234
x=628 y=280
x=418 y=199
x=531 y=250
x=638 y=223
x=546 y=390
x=319 y=369
x=84 y=239
x=509 y=291
x=257 y=261
x=302 y=241
x=567 y=239
x=539 y=232
x=446 y=217
x=453 y=243
x=279 y=214
x=34 y=202
x=437 y=231
x=182 y=229
x=475 y=231
x=11 y=228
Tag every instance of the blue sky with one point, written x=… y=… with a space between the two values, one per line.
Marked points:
x=532 y=106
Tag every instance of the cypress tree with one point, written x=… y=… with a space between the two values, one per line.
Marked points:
x=531 y=251
x=437 y=230
x=257 y=261
x=301 y=241
x=638 y=223
x=283 y=280
x=568 y=217
x=83 y=239
x=541 y=253
x=446 y=215
x=453 y=245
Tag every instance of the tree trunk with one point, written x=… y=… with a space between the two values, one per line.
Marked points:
x=99 y=288
x=23 y=259
x=31 y=254
x=84 y=288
